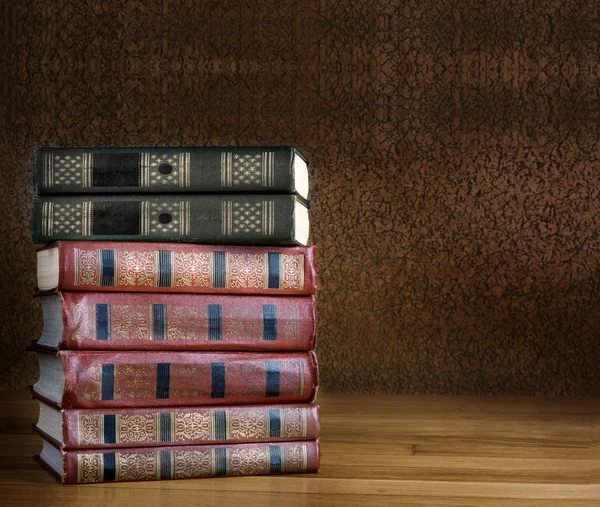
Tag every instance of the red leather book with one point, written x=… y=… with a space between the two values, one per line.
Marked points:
x=150 y=427
x=152 y=321
x=176 y=267
x=179 y=462
x=76 y=379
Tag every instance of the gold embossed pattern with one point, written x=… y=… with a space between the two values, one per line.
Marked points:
x=198 y=425
x=89 y=429
x=90 y=467
x=185 y=463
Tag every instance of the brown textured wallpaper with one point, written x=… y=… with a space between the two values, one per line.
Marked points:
x=455 y=165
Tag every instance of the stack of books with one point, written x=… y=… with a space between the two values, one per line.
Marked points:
x=179 y=314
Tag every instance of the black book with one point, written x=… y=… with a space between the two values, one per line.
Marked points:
x=280 y=169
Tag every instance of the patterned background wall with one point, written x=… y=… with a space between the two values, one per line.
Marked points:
x=455 y=165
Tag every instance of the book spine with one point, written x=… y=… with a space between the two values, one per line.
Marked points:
x=164 y=170
x=178 y=267
x=190 y=462
x=225 y=219
x=150 y=321
x=162 y=379
x=91 y=429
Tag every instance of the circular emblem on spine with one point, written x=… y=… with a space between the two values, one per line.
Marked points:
x=165 y=218
x=165 y=168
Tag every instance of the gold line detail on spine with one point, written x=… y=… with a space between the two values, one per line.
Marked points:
x=301 y=271
x=226 y=218
x=272 y=218
x=47 y=169
x=272 y=169
x=226 y=169
x=267 y=163
x=188 y=219
x=44 y=218
x=183 y=205
x=304 y=458
x=181 y=162
x=117 y=466
x=212 y=424
x=101 y=421
x=281 y=268
x=223 y=170
x=186 y=215
x=227 y=422
x=156 y=268
x=158 y=459
x=87 y=162
x=265 y=263
x=117 y=428
x=268 y=458
x=144 y=169
x=98 y=368
x=51 y=173
x=144 y=218
x=157 y=428
x=184 y=169
x=83 y=172
x=87 y=209
x=304 y=422
x=268 y=419
x=172 y=460
x=227 y=269
x=51 y=219
x=223 y=227
x=172 y=267
x=45 y=214
x=95 y=319
x=268 y=217
x=80 y=458
x=76 y=265
x=181 y=215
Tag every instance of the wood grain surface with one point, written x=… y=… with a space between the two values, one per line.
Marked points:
x=455 y=162
x=382 y=450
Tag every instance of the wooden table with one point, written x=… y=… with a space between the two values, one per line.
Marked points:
x=377 y=450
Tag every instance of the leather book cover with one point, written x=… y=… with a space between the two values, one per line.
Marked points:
x=152 y=321
x=186 y=462
x=147 y=427
x=163 y=379
x=270 y=219
x=209 y=169
x=184 y=268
